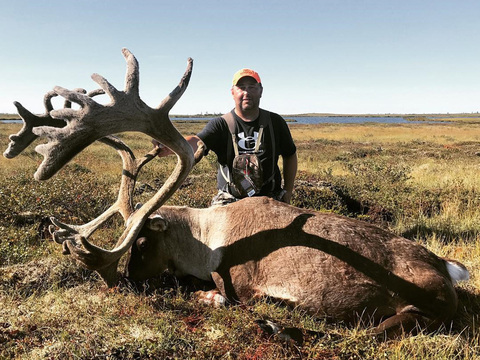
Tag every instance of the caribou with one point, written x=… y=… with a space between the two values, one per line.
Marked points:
x=331 y=266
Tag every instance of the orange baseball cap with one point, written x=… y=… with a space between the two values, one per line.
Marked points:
x=245 y=72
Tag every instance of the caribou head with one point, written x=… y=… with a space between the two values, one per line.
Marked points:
x=331 y=266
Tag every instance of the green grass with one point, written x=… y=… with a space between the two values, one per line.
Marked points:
x=419 y=181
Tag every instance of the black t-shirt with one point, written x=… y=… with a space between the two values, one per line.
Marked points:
x=217 y=137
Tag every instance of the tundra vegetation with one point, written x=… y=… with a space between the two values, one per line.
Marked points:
x=416 y=180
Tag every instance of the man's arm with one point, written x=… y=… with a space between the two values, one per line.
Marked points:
x=289 y=174
x=191 y=139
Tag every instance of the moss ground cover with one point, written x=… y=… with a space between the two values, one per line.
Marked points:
x=417 y=180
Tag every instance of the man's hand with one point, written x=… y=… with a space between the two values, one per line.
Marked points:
x=164 y=151
x=287 y=197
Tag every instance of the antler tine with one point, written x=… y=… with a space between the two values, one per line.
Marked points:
x=96 y=92
x=132 y=77
x=21 y=140
x=47 y=101
x=173 y=97
x=67 y=103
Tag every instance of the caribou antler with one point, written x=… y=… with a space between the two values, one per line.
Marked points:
x=123 y=204
x=126 y=112
x=21 y=140
x=93 y=121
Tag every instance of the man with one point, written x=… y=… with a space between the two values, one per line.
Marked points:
x=246 y=120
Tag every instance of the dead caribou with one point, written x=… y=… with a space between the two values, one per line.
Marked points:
x=331 y=266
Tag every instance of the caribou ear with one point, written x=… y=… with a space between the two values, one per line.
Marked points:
x=156 y=223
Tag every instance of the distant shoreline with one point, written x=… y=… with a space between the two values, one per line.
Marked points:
x=6 y=116
x=315 y=118
x=432 y=115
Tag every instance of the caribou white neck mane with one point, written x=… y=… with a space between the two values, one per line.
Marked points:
x=331 y=266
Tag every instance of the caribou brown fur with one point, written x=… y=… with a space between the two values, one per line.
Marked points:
x=331 y=266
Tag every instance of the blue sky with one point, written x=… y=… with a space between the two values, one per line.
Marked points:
x=354 y=57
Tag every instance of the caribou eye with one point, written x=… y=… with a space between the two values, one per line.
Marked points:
x=141 y=243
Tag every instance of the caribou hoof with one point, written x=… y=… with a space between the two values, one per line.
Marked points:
x=212 y=298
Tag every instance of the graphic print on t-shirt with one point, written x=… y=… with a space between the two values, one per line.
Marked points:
x=247 y=143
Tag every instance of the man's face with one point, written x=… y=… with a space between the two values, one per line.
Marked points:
x=247 y=93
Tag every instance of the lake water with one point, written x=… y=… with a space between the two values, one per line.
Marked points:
x=335 y=119
x=346 y=119
x=313 y=120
